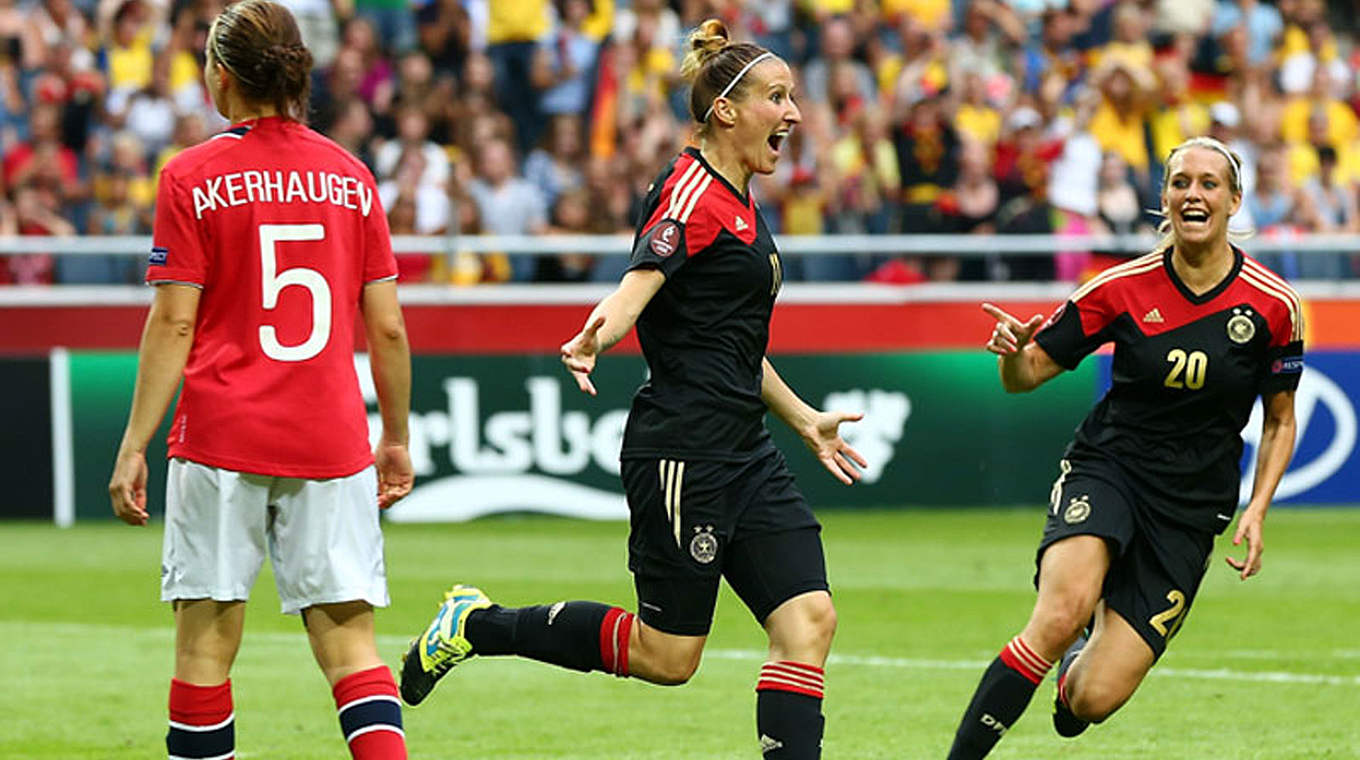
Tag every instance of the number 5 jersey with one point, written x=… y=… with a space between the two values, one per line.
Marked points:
x=281 y=229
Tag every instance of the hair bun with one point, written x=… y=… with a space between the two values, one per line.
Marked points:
x=705 y=42
x=287 y=56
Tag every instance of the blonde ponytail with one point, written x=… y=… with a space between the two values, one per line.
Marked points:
x=705 y=43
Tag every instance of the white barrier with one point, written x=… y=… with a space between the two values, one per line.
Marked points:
x=796 y=245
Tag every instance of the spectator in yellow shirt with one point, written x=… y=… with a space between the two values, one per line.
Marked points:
x=1120 y=117
x=975 y=118
x=1342 y=127
x=1130 y=43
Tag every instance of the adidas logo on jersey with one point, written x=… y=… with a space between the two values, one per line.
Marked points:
x=1153 y=316
x=741 y=224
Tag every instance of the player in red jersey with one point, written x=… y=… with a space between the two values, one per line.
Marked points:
x=1201 y=331
x=269 y=241
x=710 y=496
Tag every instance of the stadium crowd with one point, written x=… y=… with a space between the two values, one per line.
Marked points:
x=549 y=117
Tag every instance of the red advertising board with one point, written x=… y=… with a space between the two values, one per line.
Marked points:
x=801 y=326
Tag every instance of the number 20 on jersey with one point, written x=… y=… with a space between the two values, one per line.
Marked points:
x=1187 y=369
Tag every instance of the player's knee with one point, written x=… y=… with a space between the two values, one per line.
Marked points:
x=675 y=668
x=804 y=633
x=820 y=624
x=1058 y=623
x=1094 y=701
x=665 y=661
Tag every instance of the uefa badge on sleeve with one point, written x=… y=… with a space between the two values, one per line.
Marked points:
x=159 y=256
x=665 y=238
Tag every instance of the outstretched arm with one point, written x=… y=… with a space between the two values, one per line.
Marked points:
x=819 y=430
x=1024 y=365
x=611 y=319
x=1277 y=446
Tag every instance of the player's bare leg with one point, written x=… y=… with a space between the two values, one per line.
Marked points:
x=207 y=637
x=365 y=694
x=1071 y=575
x=663 y=658
x=1108 y=670
x=789 y=721
x=342 y=638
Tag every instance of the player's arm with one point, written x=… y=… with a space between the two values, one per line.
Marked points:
x=608 y=322
x=390 y=361
x=1024 y=365
x=1272 y=458
x=819 y=430
x=164 y=350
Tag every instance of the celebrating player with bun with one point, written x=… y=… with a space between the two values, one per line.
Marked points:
x=710 y=496
x=1200 y=331
x=269 y=240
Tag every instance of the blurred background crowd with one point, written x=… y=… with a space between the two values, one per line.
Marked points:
x=553 y=116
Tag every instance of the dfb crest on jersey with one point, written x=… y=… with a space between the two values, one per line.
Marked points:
x=1078 y=509
x=1240 y=327
x=665 y=238
x=704 y=546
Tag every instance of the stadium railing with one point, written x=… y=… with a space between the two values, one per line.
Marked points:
x=961 y=246
x=796 y=245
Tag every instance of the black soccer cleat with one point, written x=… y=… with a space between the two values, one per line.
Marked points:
x=1064 y=722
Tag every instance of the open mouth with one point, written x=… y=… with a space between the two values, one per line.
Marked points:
x=1195 y=216
x=776 y=139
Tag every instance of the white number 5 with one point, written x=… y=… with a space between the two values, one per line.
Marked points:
x=274 y=282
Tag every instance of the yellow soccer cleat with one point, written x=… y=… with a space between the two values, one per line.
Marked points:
x=442 y=646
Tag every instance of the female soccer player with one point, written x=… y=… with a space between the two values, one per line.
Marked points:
x=710 y=495
x=1200 y=330
x=268 y=239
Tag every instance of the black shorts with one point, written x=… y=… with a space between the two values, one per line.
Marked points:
x=1156 y=564
x=696 y=521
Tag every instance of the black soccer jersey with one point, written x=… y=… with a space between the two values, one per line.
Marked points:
x=1185 y=373
x=705 y=332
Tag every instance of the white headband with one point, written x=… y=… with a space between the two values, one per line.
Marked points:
x=733 y=83
x=1237 y=168
x=1222 y=149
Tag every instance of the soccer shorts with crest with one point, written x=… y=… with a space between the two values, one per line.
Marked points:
x=322 y=537
x=1156 y=565
x=693 y=522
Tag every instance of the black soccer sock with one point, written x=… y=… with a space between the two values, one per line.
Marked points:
x=1000 y=699
x=789 y=718
x=582 y=636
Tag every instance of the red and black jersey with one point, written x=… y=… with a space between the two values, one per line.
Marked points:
x=1186 y=371
x=705 y=332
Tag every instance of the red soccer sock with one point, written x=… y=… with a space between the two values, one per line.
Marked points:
x=1019 y=657
x=370 y=715
x=616 y=631
x=202 y=722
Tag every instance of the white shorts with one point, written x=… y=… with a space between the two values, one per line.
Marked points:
x=322 y=536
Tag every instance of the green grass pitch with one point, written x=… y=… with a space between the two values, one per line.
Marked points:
x=1265 y=669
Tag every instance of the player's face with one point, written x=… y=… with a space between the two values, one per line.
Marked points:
x=767 y=115
x=1198 y=198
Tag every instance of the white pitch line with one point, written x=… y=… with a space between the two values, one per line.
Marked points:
x=390 y=643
